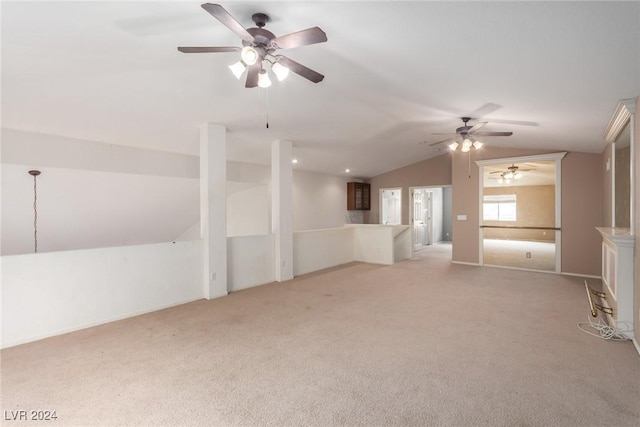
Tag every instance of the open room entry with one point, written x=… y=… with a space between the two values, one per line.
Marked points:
x=520 y=212
x=430 y=216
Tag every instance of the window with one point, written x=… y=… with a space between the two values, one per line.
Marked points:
x=499 y=207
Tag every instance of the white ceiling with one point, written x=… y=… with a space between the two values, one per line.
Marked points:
x=395 y=73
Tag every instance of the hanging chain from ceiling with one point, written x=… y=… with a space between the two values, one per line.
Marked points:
x=35 y=173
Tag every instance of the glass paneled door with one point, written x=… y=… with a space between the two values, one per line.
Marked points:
x=421 y=218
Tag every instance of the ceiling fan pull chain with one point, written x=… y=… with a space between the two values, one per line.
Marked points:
x=267 y=91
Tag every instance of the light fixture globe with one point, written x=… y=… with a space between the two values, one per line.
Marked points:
x=249 y=55
x=237 y=69
x=263 y=79
x=280 y=71
x=453 y=146
x=478 y=145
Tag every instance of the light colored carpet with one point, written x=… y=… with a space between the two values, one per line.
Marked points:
x=424 y=342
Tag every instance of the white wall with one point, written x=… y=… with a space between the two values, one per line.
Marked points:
x=93 y=194
x=315 y=250
x=373 y=243
x=249 y=261
x=248 y=209
x=319 y=201
x=81 y=209
x=47 y=294
x=43 y=150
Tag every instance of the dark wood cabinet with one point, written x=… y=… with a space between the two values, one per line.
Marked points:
x=358 y=196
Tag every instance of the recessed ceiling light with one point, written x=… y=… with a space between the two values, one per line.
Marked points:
x=294 y=161
x=347 y=170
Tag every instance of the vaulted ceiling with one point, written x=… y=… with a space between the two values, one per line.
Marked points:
x=396 y=72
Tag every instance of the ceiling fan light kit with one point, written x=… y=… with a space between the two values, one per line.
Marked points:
x=466 y=135
x=237 y=69
x=249 y=55
x=263 y=79
x=513 y=172
x=259 y=46
x=280 y=71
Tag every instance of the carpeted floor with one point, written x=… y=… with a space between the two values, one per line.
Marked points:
x=424 y=342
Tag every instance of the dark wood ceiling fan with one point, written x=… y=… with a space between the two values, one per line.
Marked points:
x=259 y=45
x=464 y=132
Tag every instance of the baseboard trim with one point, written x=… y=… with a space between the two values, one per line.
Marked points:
x=636 y=345
x=466 y=263
x=581 y=275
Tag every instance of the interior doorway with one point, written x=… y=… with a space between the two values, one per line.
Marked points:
x=520 y=212
x=430 y=216
x=391 y=206
x=422 y=217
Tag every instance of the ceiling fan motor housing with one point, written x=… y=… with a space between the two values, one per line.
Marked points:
x=261 y=40
x=260 y=19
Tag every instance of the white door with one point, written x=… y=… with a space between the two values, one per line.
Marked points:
x=428 y=218
x=416 y=219
x=391 y=206
x=422 y=217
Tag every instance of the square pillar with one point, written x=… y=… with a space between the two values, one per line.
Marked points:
x=281 y=205
x=213 y=209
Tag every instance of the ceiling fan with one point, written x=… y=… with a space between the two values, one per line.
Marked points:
x=467 y=136
x=259 y=46
x=512 y=172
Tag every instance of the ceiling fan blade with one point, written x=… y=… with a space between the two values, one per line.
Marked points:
x=300 y=69
x=485 y=110
x=229 y=21
x=476 y=127
x=513 y=122
x=300 y=38
x=444 y=133
x=252 y=75
x=493 y=133
x=443 y=141
x=191 y=49
x=495 y=172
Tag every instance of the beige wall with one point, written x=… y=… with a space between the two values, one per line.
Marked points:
x=607 y=187
x=431 y=172
x=581 y=207
x=535 y=207
x=636 y=269
x=582 y=189
x=466 y=197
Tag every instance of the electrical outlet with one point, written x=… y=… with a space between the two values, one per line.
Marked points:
x=528 y=254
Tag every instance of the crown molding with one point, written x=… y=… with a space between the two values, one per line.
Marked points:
x=519 y=159
x=621 y=116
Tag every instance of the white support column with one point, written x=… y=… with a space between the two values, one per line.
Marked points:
x=281 y=205
x=213 y=209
